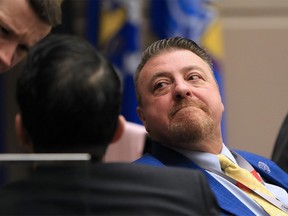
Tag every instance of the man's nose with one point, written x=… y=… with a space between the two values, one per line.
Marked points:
x=6 y=55
x=182 y=90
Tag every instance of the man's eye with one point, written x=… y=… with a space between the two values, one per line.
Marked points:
x=3 y=31
x=194 y=77
x=159 y=85
x=23 y=48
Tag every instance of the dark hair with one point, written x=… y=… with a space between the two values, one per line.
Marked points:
x=160 y=46
x=49 y=11
x=69 y=96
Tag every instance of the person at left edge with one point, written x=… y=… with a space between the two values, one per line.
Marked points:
x=22 y=24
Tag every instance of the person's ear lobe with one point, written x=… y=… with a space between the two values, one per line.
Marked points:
x=21 y=133
x=120 y=129
x=141 y=114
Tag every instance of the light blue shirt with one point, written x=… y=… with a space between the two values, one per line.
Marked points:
x=204 y=159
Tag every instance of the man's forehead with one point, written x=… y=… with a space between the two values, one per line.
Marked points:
x=170 y=58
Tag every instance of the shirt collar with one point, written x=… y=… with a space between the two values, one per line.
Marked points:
x=208 y=160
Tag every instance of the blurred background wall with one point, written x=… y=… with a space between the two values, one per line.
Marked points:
x=247 y=38
x=255 y=43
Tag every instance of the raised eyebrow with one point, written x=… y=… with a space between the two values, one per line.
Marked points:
x=159 y=74
x=192 y=67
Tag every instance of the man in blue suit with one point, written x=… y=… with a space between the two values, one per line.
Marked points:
x=181 y=108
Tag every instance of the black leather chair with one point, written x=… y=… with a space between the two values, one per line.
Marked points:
x=280 y=151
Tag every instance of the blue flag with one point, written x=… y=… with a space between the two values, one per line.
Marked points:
x=113 y=26
x=186 y=18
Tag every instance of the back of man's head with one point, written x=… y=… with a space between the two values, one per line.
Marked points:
x=69 y=96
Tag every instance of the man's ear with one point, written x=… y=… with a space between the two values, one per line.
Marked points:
x=120 y=129
x=21 y=133
x=140 y=114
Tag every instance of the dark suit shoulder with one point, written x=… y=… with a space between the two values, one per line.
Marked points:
x=179 y=186
x=109 y=189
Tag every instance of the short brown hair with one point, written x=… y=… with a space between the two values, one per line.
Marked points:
x=49 y=11
x=160 y=46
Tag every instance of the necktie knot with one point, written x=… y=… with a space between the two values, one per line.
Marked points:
x=239 y=174
x=225 y=162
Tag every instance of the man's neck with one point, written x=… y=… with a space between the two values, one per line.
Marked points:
x=209 y=146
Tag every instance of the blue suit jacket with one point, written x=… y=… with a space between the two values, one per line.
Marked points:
x=229 y=204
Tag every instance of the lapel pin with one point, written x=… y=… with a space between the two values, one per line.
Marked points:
x=264 y=167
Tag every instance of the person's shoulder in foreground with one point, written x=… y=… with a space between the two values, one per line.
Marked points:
x=110 y=189
x=69 y=98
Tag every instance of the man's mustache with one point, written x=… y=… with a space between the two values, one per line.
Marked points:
x=188 y=103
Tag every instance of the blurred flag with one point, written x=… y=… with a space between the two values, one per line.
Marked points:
x=114 y=27
x=194 y=19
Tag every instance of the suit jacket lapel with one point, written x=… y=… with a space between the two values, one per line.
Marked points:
x=226 y=200
x=267 y=169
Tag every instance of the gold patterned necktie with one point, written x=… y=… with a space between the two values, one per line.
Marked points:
x=244 y=177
